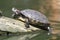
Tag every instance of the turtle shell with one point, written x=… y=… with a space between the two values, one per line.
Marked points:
x=35 y=15
x=41 y=21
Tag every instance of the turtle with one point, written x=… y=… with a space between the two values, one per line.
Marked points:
x=32 y=17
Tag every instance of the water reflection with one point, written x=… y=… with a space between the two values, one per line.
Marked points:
x=20 y=37
x=27 y=36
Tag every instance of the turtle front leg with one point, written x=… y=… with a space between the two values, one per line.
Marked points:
x=26 y=22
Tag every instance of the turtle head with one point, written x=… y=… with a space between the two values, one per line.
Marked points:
x=16 y=12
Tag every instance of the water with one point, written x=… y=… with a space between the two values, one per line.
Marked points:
x=40 y=35
x=6 y=5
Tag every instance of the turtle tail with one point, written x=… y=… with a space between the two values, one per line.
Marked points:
x=46 y=27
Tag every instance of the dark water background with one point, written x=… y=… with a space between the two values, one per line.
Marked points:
x=6 y=6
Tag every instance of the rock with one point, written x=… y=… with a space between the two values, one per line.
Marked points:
x=12 y=25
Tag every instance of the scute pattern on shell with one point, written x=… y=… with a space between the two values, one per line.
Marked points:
x=35 y=15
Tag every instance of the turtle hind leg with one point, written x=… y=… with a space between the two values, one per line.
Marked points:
x=26 y=22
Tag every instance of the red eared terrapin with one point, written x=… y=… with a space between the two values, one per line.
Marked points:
x=32 y=17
